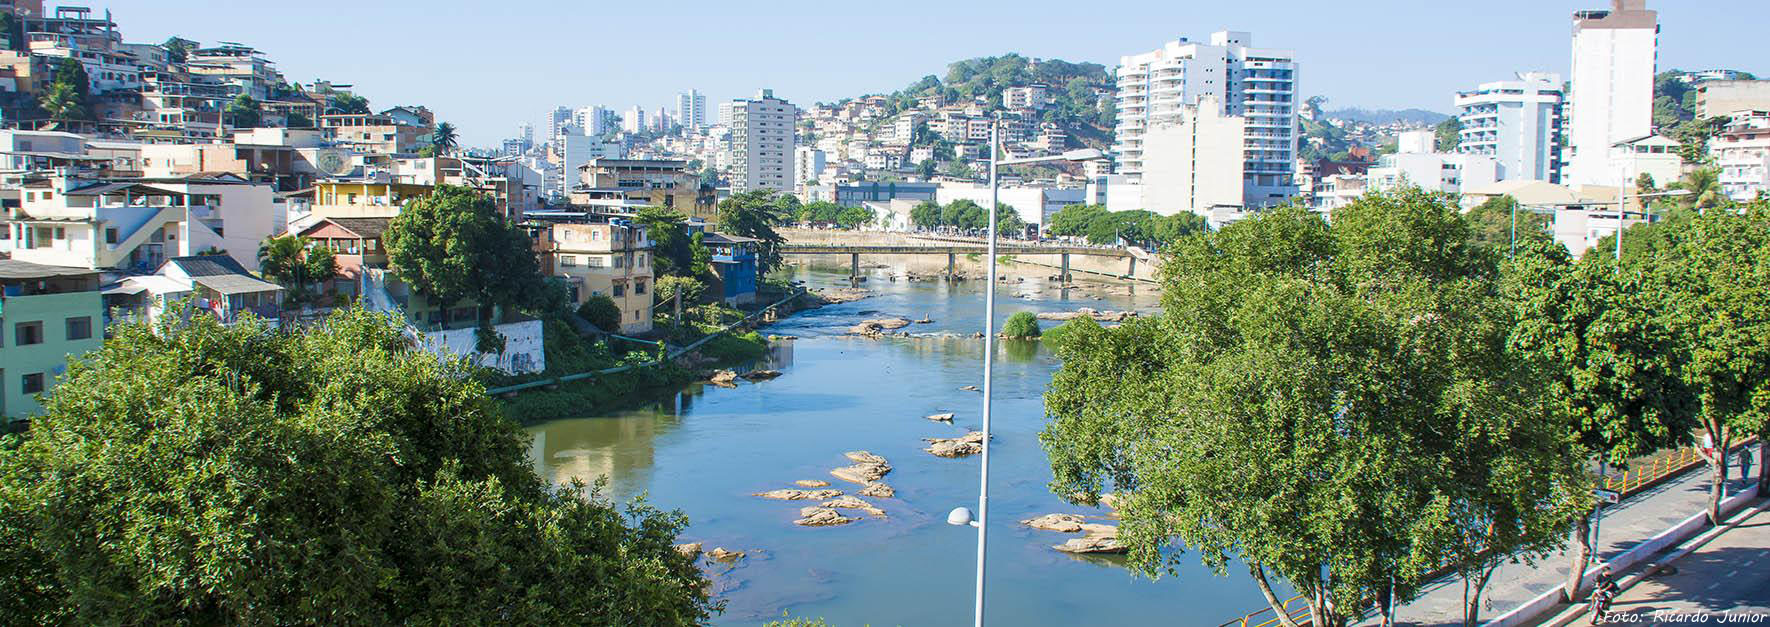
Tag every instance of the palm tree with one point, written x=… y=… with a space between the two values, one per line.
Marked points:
x=62 y=102
x=280 y=258
x=443 y=138
x=1704 y=185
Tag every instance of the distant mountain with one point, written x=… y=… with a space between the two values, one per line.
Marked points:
x=1387 y=116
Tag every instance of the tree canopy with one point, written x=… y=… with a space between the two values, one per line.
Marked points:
x=208 y=474
x=69 y=96
x=454 y=245
x=244 y=112
x=756 y=214
x=1140 y=227
x=292 y=262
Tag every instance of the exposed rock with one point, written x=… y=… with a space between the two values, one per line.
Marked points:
x=724 y=378
x=799 y=495
x=811 y=483
x=761 y=375
x=837 y=296
x=878 y=326
x=849 y=502
x=878 y=490
x=690 y=550
x=972 y=388
x=720 y=554
x=1097 y=529
x=925 y=320
x=1092 y=544
x=860 y=473
x=1063 y=523
x=970 y=444
x=821 y=517
x=1086 y=312
x=863 y=457
x=947 y=417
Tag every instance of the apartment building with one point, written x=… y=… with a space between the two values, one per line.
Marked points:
x=47 y=313
x=624 y=185
x=379 y=197
x=574 y=151
x=1258 y=85
x=603 y=255
x=1717 y=97
x=134 y=225
x=1034 y=96
x=1417 y=164
x=1615 y=53
x=244 y=70
x=1742 y=152
x=691 y=109
x=1519 y=123
x=1193 y=160
x=375 y=133
x=762 y=140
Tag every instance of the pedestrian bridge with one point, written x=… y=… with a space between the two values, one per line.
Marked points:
x=952 y=250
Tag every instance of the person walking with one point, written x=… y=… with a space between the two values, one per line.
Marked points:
x=1745 y=463
x=1604 y=589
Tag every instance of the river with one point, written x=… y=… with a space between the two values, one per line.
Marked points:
x=707 y=449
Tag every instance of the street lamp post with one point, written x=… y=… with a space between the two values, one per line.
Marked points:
x=963 y=516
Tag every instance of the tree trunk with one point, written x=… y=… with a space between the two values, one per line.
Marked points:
x=1322 y=612
x=1763 y=468
x=1472 y=602
x=1582 y=557
x=1717 y=487
x=1272 y=600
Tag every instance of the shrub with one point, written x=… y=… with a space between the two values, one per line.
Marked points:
x=602 y=311
x=1021 y=325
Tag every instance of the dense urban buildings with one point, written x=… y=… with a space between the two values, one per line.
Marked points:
x=762 y=139
x=1254 y=84
x=1519 y=123
x=1615 y=53
x=691 y=109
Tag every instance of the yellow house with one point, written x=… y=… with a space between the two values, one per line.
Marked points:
x=605 y=255
x=363 y=199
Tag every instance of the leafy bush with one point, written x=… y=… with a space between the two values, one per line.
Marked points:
x=1021 y=325
x=602 y=311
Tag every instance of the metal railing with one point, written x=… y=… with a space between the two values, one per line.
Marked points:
x=1626 y=484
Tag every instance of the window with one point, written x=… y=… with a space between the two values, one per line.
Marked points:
x=639 y=287
x=28 y=333
x=110 y=235
x=80 y=328
x=567 y=261
x=61 y=233
x=32 y=383
x=620 y=290
x=48 y=195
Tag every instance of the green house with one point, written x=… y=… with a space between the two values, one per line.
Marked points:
x=47 y=313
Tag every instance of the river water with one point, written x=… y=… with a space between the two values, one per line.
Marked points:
x=707 y=449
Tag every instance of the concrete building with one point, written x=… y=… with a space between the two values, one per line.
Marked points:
x=1718 y=98
x=1615 y=54
x=375 y=133
x=557 y=120
x=691 y=109
x=1035 y=204
x=136 y=225
x=1742 y=152
x=762 y=143
x=1259 y=85
x=1418 y=165
x=603 y=255
x=625 y=185
x=1653 y=155
x=1193 y=161
x=1035 y=96
x=808 y=163
x=633 y=121
x=1518 y=122
x=47 y=313
x=853 y=194
x=577 y=150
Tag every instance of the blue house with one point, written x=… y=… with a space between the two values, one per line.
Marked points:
x=734 y=263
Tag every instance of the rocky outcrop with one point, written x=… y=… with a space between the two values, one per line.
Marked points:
x=878 y=326
x=821 y=517
x=863 y=457
x=849 y=502
x=1085 y=312
x=878 y=490
x=1096 y=538
x=971 y=388
x=839 y=295
x=867 y=468
x=690 y=550
x=947 y=417
x=723 y=378
x=967 y=445
x=812 y=483
x=761 y=375
x=1062 y=523
x=799 y=495
x=720 y=554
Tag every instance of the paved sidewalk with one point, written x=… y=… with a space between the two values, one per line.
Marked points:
x=1729 y=575
x=1624 y=525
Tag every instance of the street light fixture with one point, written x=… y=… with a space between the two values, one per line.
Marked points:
x=962 y=516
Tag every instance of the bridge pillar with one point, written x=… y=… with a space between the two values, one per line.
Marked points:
x=1063 y=274
x=1131 y=271
x=854 y=267
x=952 y=261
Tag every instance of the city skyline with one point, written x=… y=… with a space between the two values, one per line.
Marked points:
x=1336 y=46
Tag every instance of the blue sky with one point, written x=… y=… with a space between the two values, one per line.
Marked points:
x=489 y=64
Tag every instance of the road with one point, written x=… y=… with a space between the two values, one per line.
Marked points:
x=1729 y=575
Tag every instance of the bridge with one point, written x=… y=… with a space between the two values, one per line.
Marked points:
x=954 y=249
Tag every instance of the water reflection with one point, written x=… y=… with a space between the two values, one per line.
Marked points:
x=1021 y=351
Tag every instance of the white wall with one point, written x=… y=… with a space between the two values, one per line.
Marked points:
x=523 y=347
x=1612 y=97
x=1194 y=165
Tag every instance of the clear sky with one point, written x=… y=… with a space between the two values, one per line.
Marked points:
x=489 y=64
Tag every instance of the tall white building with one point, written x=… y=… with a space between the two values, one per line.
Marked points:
x=1417 y=164
x=1518 y=123
x=633 y=121
x=762 y=143
x=557 y=120
x=595 y=121
x=577 y=150
x=1615 y=54
x=691 y=109
x=1742 y=152
x=808 y=162
x=1257 y=85
x=526 y=133
x=725 y=113
x=1193 y=161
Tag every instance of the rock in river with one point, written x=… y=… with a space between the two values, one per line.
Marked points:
x=821 y=517
x=970 y=444
x=811 y=483
x=1085 y=312
x=690 y=550
x=947 y=417
x=971 y=388
x=761 y=375
x=878 y=326
x=720 y=554
x=860 y=473
x=799 y=495
x=1064 y=523
x=724 y=378
x=863 y=457
x=1091 y=544
x=878 y=490
x=849 y=502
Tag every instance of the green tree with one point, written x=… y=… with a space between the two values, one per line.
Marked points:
x=1704 y=185
x=1612 y=363
x=299 y=120
x=690 y=288
x=670 y=242
x=709 y=177
x=350 y=104
x=444 y=138
x=1021 y=325
x=1072 y=221
x=926 y=169
x=1449 y=135
x=244 y=112
x=1492 y=222
x=855 y=217
x=69 y=95
x=1313 y=402
x=178 y=49
x=206 y=474
x=454 y=245
x=756 y=214
x=294 y=263
x=926 y=215
x=602 y=311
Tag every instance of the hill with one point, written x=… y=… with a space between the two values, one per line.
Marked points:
x=1381 y=117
